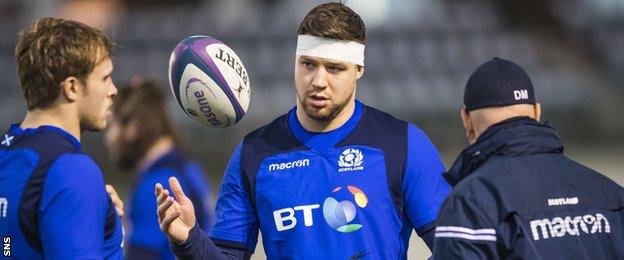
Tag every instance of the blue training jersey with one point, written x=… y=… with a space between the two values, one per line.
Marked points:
x=145 y=234
x=354 y=192
x=53 y=203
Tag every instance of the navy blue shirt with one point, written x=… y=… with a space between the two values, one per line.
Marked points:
x=53 y=203
x=355 y=191
x=145 y=233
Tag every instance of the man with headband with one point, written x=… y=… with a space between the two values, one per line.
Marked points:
x=516 y=196
x=331 y=179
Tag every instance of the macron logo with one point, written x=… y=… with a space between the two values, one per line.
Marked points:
x=574 y=226
x=289 y=165
x=521 y=94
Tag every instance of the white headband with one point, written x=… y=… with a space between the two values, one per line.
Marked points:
x=348 y=51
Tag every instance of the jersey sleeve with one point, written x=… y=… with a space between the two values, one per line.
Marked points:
x=464 y=231
x=73 y=209
x=424 y=188
x=235 y=218
x=145 y=231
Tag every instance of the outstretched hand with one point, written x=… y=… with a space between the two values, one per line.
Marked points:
x=175 y=216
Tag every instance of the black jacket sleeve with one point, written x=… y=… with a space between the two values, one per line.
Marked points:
x=426 y=233
x=464 y=231
x=200 y=246
x=134 y=252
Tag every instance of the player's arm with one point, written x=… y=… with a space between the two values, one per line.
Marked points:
x=177 y=217
x=200 y=246
x=424 y=187
x=73 y=209
x=465 y=231
x=235 y=232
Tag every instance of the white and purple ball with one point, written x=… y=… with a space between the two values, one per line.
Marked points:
x=209 y=81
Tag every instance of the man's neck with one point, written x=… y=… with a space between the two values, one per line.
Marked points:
x=56 y=116
x=162 y=146
x=319 y=126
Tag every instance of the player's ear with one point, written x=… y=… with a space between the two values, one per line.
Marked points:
x=360 y=71
x=471 y=134
x=538 y=111
x=71 y=88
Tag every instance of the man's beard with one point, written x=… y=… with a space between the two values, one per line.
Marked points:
x=90 y=124
x=325 y=114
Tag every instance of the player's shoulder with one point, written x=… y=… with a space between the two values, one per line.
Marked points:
x=59 y=154
x=479 y=187
x=74 y=175
x=370 y=113
x=46 y=141
x=468 y=200
x=75 y=167
x=385 y=129
x=160 y=174
x=588 y=175
x=143 y=190
x=174 y=165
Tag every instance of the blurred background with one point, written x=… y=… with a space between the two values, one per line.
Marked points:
x=419 y=54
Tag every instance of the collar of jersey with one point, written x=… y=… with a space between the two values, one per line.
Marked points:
x=322 y=142
x=517 y=136
x=17 y=130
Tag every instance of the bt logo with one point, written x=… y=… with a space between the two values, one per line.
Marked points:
x=337 y=214
x=281 y=219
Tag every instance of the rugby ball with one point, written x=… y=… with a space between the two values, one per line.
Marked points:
x=209 y=81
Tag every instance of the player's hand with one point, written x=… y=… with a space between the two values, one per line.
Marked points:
x=175 y=216
x=117 y=202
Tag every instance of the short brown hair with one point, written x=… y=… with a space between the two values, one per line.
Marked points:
x=52 y=49
x=144 y=105
x=334 y=21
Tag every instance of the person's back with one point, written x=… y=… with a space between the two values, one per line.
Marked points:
x=532 y=201
x=515 y=194
x=48 y=185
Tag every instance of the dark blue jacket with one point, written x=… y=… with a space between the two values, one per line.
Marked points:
x=516 y=196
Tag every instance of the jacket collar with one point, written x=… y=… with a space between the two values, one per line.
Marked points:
x=512 y=137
